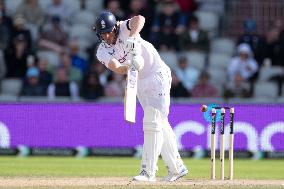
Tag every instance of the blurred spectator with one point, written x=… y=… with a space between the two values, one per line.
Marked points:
x=115 y=86
x=2 y=66
x=77 y=61
x=16 y=57
x=59 y=9
x=255 y=41
x=73 y=73
x=32 y=85
x=237 y=88
x=6 y=19
x=243 y=64
x=31 y=12
x=187 y=6
x=114 y=7
x=5 y=30
x=194 y=38
x=91 y=87
x=187 y=74
x=177 y=88
x=101 y=71
x=167 y=24
x=53 y=37
x=45 y=76
x=62 y=86
x=203 y=88
x=19 y=27
x=274 y=51
x=144 y=8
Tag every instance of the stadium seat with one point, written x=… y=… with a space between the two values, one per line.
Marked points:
x=266 y=72
x=33 y=99
x=85 y=18
x=44 y=3
x=81 y=32
x=255 y=100
x=53 y=57
x=11 y=86
x=170 y=58
x=11 y=5
x=217 y=76
x=73 y=4
x=222 y=46
x=265 y=89
x=8 y=98
x=217 y=60
x=94 y=5
x=196 y=59
x=208 y=21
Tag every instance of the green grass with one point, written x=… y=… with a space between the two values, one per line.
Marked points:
x=128 y=167
x=50 y=168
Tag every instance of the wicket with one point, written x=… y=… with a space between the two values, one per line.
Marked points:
x=222 y=144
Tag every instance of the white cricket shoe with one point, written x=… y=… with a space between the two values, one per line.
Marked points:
x=173 y=177
x=144 y=177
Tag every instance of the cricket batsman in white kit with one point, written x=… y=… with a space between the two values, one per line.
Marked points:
x=121 y=47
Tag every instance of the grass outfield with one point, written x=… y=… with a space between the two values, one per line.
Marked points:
x=125 y=168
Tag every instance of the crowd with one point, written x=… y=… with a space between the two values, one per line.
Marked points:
x=50 y=48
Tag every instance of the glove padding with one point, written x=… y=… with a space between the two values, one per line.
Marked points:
x=133 y=45
x=137 y=61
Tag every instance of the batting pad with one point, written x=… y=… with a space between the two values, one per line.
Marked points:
x=153 y=140
x=169 y=150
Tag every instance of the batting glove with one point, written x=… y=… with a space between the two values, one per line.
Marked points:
x=137 y=61
x=133 y=45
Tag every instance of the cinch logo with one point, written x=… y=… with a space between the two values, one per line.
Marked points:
x=4 y=136
x=255 y=140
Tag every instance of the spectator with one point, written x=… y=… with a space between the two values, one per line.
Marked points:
x=32 y=85
x=91 y=87
x=113 y=6
x=194 y=38
x=255 y=41
x=31 y=12
x=62 y=86
x=53 y=37
x=101 y=71
x=187 y=74
x=6 y=19
x=203 y=89
x=144 y=8
x=59 y=9
x=237 y=88
x=187 y=6
x=5 y=30
x=274 y=51
x=177 y=88
x=167 y=24
x=2 y=66
x=73 y=73
x=115 y=86
x=45 y=77
x=77 y=61
x=243 y=64
x=19 y=27
x=16 y=57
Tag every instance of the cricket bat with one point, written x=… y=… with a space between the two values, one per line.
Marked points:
x=130 y=95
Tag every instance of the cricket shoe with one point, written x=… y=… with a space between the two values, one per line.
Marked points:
x=173 y=177
x=144 y=177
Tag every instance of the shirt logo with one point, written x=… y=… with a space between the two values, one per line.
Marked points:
x=103 y=24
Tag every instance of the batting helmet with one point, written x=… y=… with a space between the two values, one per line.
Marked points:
x=105 y=23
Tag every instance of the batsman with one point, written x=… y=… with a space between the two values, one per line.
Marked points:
x=122 y=47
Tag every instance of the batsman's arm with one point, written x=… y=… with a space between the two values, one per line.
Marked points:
x=116 y=67
x=136 y=25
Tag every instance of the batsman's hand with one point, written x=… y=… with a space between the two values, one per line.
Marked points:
x=137 y=61
x=133 y=45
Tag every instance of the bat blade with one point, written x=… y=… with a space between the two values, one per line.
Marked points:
x=130 y=95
